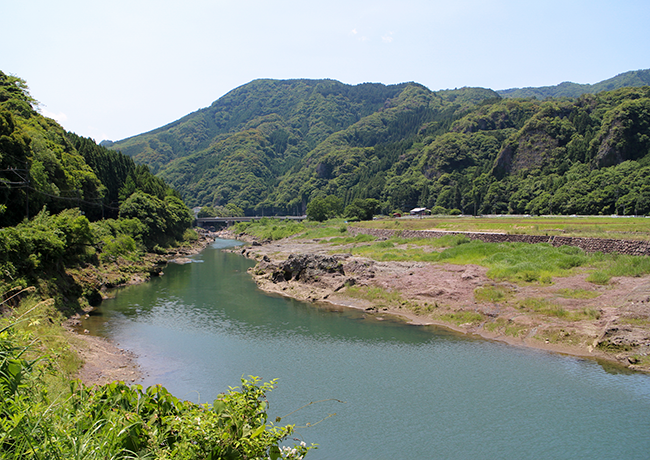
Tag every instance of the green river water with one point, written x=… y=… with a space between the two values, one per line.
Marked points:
x=406 y=392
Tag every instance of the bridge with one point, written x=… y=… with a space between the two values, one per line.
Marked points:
x=219 y=221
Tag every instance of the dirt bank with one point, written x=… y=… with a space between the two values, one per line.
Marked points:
x=570 y=316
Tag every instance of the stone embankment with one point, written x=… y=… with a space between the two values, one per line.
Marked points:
x=604 y=245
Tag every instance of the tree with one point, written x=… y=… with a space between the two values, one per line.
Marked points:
x=321 y=209
x=317 y=210
x=362 y=209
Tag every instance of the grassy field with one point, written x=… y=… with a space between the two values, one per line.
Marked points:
x=633 y=228
x=517 y=262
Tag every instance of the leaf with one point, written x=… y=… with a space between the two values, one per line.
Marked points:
x=274 y=453
x=258 y=432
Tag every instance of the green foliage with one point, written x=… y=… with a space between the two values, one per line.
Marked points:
x=466 y=150
x=120 y=421
x=270 y=229
x=322 y=209
x=619 y=265
x=490 y=293
x=46 y=242
x=463 y=318
x=165 y=220
x=362 y=209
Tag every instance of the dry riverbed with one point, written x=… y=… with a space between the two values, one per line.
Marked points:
x=609 y=322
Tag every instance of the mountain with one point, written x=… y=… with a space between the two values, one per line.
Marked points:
x=633 y=78
x=272 y=146
x=238 y=148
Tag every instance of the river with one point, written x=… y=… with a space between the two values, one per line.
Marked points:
x=397 y=391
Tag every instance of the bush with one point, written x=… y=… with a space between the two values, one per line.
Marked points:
x=119 y=421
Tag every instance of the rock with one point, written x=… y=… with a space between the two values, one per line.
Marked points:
x=624 y=337
x=307 y=268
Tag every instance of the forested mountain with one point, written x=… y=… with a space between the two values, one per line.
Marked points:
x=43 y=167
x=634 y=78
x=270 y=147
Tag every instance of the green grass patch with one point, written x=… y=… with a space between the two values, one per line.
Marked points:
x=548 y=308
x=495 y=325
x=507 y=327
x=562 y=336
x=599 y=277
x=463 y=317
x=514 y=329
x=611 y=265
x=543 y=307
x=491 y=293
x=375 y=294
x=591 y=227
x=271 y=229
x=324 y=231
x=518 y=262
x=577 y=294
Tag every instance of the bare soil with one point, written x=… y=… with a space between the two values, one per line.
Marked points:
x=609 y=322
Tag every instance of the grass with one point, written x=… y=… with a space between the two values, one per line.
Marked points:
x=611 y=265
x=517 y=262
x=546 y=307
x=490 y=293
x=384 y=297
x=562 y=336
x=507 y=327
x=463 y=317
x=543 y=307
x=577 y=294
x=642 y=322
x=583 y=226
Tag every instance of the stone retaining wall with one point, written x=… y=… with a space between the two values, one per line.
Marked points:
x=604 y=245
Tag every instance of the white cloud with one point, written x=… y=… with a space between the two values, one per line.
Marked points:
x=387 y=38
x=59 y=117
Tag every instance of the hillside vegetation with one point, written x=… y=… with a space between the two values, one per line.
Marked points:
x=271 y=147
x=67 y=204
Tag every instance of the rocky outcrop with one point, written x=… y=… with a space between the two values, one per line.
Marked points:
x=307 y=268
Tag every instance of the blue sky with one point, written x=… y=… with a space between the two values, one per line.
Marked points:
x=114 y=69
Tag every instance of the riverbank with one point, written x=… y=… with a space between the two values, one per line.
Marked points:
x=104 y=361
x=607 y=322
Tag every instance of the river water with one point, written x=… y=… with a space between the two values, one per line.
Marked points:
x=397 y=391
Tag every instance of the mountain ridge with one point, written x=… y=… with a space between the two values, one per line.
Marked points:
x=633 y=78
x=271 y=146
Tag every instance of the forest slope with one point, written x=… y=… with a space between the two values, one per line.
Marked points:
x=271 y=147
